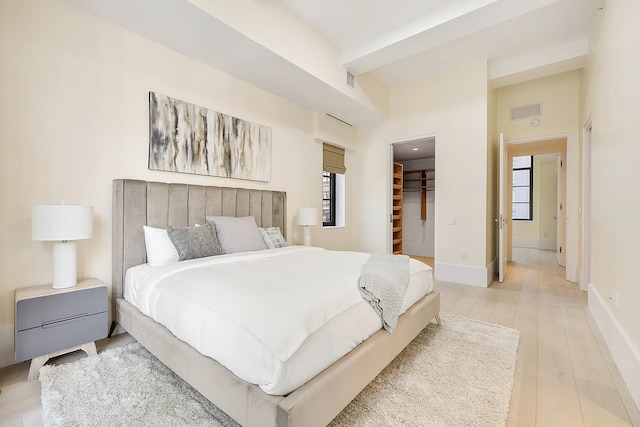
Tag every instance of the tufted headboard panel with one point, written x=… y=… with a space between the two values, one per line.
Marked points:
x=137 y=203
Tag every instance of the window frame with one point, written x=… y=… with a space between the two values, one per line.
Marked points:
x=331 y=199
x=530 y=168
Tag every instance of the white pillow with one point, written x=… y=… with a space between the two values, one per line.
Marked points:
x=237 y=234
x=160 y=249
x=272 y=237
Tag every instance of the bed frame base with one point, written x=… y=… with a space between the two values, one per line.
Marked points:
x=316 y=403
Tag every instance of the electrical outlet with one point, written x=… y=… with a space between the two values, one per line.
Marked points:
x=613 y=297
x=463 y=256
x=452 y=221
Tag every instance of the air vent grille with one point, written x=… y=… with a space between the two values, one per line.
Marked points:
x=351 y=79
x=526 y=111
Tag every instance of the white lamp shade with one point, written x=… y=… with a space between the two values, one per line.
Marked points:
x=307 y=216
x=61 y=222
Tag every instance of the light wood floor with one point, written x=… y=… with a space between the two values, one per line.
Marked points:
x=426 y=259
x=565 y=375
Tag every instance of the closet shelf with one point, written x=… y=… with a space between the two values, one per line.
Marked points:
x=396 y=216
x=421 y=180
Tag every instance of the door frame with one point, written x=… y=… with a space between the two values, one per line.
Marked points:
x=501 y=220
x=585 y=270
x=390 y=191
x=541 y=140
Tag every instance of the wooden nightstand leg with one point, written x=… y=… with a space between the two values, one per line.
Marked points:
x=438 y=321
x=89 y=348
x=38 y=362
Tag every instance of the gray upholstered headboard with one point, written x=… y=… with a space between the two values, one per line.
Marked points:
x=137 y=203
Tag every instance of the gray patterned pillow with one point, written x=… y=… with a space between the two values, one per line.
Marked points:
x=237 y=234
x=194 y=242
x=273 y=238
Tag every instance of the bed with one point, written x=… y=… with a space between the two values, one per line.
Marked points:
x=317 y=401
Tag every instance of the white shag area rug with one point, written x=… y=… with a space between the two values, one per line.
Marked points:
x=460 y=373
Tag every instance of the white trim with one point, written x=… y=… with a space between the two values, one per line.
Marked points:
x=625 y=354
x=464 y=274
x=585 y=262
x=341 y=200
x=390 y=161
x=415 y=249
x=525 y=242
x=492 y=269
x=572 y=273
x=537 y=138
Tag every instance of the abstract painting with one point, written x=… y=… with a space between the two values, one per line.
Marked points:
x=186 y=138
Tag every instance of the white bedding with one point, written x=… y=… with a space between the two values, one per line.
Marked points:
x=275 y=318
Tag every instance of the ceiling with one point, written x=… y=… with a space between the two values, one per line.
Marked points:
x=401 y=40
x=416 y=149
x=395 y=41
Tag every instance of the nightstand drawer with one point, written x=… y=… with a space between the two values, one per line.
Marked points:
x=56 y=336
x=36 y=312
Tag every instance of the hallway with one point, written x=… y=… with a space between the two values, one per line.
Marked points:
x=565 y=374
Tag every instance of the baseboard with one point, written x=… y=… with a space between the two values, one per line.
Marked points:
x=466 y=275
x=625 y=354
x=544 y=244
x=418 y=250
x=492 y=270
x=547 y=245
x=572 y=273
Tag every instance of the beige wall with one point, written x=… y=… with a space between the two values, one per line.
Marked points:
x=541 y=231
x=453 y=107
x=74 y=103
x=611 y=100
x=560 y=98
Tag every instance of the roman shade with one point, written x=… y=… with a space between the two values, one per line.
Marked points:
x=333 y=159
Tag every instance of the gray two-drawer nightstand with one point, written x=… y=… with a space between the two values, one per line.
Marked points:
x=50 y=322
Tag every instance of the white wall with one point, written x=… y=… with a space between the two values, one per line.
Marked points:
x=611 y=100
x=74 y=107
x=452 y=106
x=418 y=236
x=273 y=25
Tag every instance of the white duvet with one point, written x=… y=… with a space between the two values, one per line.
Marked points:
x=275 y=318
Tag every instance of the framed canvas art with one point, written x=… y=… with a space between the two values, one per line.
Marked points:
x=187 y=138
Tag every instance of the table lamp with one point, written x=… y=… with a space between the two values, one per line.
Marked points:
x=307 y=217
x=60 y=224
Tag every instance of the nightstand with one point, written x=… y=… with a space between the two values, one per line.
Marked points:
x=50 y=322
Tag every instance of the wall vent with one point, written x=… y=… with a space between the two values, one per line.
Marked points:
x=526 y=111
x=351 y=80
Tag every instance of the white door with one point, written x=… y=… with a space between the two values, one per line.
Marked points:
x=502 y=228
x=562 y=217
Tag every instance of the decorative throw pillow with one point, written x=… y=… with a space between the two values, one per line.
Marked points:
x=237 y=234
x=160 y=249
x=273 y=237
x=194 y=242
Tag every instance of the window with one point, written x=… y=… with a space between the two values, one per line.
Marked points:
x=522 y=189
x=328 y=199
x=333 y=186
